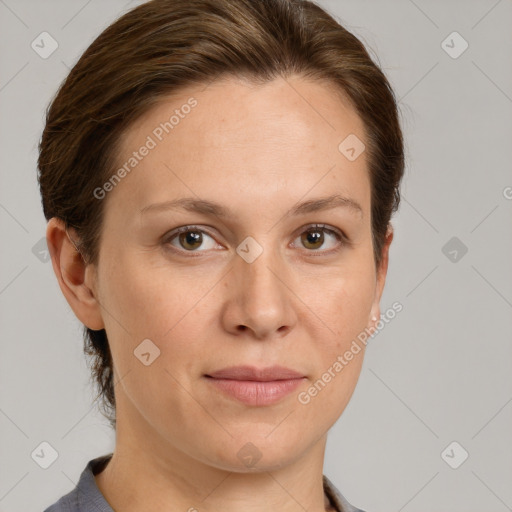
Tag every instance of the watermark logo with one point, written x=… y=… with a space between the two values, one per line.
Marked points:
x=44 y=45
x=454 y=455
x=351 y=147
x=146 y=352
x=249 y=249
x=44 y=455
x=40 y=250
x=454 y=249
x=249 y=454
x=454 y=45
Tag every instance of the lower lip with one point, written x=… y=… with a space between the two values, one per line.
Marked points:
x=257 y=392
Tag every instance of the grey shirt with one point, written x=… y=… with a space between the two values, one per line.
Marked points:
x=86 y=496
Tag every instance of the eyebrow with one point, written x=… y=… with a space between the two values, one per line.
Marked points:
x=204 y=206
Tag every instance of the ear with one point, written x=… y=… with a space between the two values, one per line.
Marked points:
x=77 y=280
x=381 y=278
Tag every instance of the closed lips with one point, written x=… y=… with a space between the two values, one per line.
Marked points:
x=251 y=373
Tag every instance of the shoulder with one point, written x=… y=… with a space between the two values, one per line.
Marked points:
x=68 y=503
x=337 y=499
x=86 y=495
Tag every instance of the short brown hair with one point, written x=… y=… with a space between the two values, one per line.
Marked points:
x=162 y=46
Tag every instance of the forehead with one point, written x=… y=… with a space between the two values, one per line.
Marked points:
x=233 y=136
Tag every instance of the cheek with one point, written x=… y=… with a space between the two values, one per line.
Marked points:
x=344 y=307
x=151 y=300
x=128 y=302
x=155 y=304
x=338 y=355
x=343 y=302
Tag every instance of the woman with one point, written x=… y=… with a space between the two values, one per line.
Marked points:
x=218 y=178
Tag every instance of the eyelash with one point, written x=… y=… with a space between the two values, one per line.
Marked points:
x=339 y=235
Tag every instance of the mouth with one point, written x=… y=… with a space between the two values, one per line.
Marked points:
x=256 y=386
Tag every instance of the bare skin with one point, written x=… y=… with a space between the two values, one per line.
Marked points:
x=258 y=151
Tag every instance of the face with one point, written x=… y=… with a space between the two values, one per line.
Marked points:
x=250 y=278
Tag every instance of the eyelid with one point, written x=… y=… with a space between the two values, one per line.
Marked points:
x=320 y=226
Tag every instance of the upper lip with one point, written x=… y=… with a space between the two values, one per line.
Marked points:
x=257 y=374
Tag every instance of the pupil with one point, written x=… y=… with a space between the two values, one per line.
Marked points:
x=190 y=237
x=314 y=236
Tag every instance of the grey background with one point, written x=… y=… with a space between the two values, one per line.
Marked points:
x=441 y=371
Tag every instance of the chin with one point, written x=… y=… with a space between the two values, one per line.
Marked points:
x=259 y=451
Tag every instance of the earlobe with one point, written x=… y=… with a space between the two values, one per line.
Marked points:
x=71 y=271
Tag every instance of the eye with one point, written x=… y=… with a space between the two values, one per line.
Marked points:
x=314 y=237
x=190 y=238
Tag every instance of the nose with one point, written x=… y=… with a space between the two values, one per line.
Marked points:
x=259 y=302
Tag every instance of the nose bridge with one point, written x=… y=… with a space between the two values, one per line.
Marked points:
x=260 y=300
x=257 y=273
x=260 y=273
